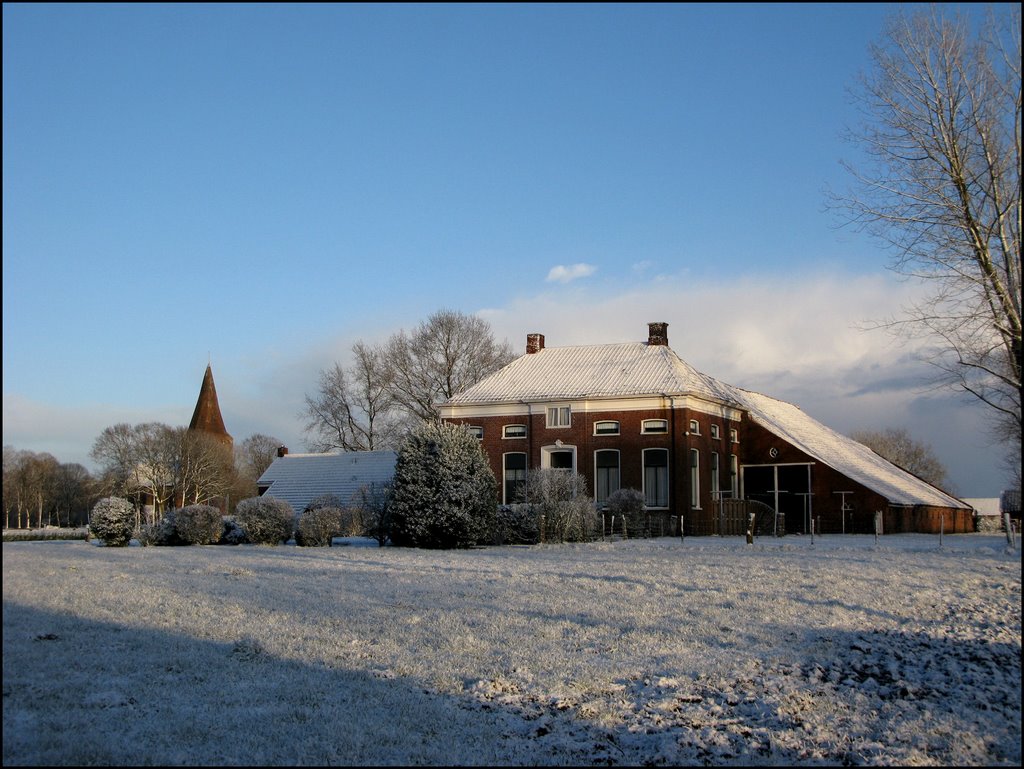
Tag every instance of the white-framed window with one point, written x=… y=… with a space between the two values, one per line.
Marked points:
x=734 y=435
x=716 y=433
x=734 y=475
x=606 y=474
x=514 y=431
x=514 y=486
x=695 y=427
x=476 y=431
x=656 y=477
x=559 y=416
x=652 y=426
x=695 y=479
x=558 y=457
x=606 y=427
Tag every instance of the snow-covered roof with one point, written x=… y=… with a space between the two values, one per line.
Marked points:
x=638 y=369
x=594 y=371
x=984 y=505
x=300 y=478
x=854 y=460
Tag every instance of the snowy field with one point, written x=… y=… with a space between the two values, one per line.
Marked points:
x=707 y=651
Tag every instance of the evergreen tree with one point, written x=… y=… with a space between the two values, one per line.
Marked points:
x=445 y=494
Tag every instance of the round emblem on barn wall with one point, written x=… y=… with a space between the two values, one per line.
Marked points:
x=773 y=452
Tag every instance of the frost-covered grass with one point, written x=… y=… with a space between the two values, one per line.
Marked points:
x=646 y=651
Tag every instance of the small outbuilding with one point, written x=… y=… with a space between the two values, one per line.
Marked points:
x=298 y=479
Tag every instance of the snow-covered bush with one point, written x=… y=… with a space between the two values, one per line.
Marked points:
x=160 y=533
x=444 y=491
x=517 y=525
x=325 y=500
x=628 y=505
x=373 y=503
x=560 y=498
x=233 y=533
x=318 y=526
x=266 y=520
x=112 y=521
x=198 y=524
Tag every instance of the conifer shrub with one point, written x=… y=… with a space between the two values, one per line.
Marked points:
x=266 y=520
x=161 y=533
x=112 y=521
x=198 y=524
x=517 y=524
x=233 y=533
x=444 y=494
x=317 y=527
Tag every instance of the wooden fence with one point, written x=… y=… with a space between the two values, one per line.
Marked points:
x=731 y=517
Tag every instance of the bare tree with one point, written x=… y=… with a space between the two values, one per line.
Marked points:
x=896 y=445
x=115 y=450
x=389 y=388
x=204 y=467
x=255 y=454
x=354 y=410
x=941 y=187
x=444 y=355
x=40 y=491
x=74 y=494
x=158 y=453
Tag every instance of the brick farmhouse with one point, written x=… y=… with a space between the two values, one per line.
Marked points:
x=635 y=415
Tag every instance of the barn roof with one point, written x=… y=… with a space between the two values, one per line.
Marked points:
x=640 y=369
x=854 y=460
x=299 y=478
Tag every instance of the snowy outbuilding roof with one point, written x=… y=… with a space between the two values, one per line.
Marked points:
x=642 y=369
x=984 y=505
x=300 y=478
x=854 y=460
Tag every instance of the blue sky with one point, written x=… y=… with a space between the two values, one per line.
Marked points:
x=261 y=186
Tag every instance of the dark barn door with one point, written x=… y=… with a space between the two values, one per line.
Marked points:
x=788 y=498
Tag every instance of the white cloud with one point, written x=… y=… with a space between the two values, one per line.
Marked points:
x=562 y=274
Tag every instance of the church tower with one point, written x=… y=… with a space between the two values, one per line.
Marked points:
x=206 y=418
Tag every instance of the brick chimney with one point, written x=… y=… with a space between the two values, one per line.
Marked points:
x=657 y=334
x=282 y=450
x=534 y=343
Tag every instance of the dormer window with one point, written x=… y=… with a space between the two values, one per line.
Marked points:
x=559 y=416
x=654 y=426
x=606 y=427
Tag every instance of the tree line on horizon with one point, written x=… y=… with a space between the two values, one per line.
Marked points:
x=152 y=458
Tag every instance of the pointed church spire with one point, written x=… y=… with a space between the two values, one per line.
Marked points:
x=206 y=417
